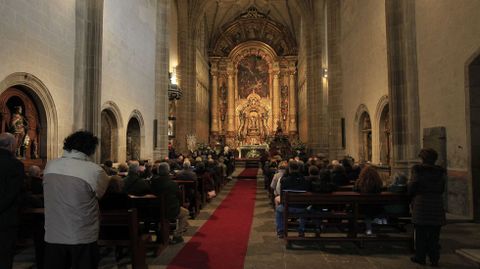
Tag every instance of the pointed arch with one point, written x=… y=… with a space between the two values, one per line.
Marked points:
x=381 y=139
x=363 y=125
x=135 y=135
x=111 y=130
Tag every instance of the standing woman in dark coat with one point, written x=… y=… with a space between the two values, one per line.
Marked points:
x=426 y=187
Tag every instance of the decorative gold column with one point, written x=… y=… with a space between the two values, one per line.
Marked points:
x=291 y=102
x=230 y=101
x=276 y=98
x=214 y=100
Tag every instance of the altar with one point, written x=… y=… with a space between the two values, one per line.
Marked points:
x=252 y=151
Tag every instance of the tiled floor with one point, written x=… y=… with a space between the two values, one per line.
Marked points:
x=266 y=251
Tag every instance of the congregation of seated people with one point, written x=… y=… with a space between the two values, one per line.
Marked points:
x=319 y=175
x=139 y=178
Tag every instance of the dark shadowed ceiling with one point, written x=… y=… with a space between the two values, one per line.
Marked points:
x=220 y=12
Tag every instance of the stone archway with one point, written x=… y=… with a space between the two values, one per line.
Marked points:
x=135 y=136
x=111 y=124
x=29 y=88
x=133 y=140
x=382 y=141
x=109 y=138
x=364 y=134
x=384 y=136
x=473 y=123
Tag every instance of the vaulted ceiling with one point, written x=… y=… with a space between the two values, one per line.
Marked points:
x=221 y=12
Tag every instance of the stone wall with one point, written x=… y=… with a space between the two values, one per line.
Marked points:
x=128 y=68
x=363 y=65
x=447 y=36
x=32 y=42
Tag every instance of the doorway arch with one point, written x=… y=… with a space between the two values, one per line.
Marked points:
x=473 y=129
x=109 y=137
x=364 y=134
x=111 y=124
x=384 y=141
x=135 y=136
x=29 y=89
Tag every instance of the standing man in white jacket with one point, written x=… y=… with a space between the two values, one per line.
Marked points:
x=72 y=186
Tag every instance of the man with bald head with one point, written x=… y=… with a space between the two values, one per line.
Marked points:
x=12 y=175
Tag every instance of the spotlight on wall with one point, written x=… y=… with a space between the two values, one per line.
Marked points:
x=174 y=92
x=325 y=72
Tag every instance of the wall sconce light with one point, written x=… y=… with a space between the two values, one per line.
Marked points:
x=325 y=72
x=174 y=92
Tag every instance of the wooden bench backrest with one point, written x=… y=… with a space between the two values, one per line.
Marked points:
x=292 y=198
x=114 y=224
x=149 y=208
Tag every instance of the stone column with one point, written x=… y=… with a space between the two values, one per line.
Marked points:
x=276 y=99
x=292 y=103
x=186 y=77
x=214 y=101
x=403 y=83
x=230 y=103
x=88 y=67
x=161 y=82
x=335 y=136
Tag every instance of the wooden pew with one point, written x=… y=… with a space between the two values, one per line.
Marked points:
x=184 y=185
x=121 y=228
x=152 y=216
x=353 y=201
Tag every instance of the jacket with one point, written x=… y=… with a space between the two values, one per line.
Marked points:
x=163 y=184
x=12 y=176
x=426 y=188
x=72 y=186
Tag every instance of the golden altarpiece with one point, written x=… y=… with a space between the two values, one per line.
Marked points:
x=253 y=67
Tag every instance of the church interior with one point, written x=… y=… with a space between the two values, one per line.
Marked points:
x=368 y=81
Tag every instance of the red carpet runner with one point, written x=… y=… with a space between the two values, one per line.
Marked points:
x=248 y=173
x=222 y=241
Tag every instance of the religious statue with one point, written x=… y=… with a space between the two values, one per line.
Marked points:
x=264 y=129
x=19 y=127
x=279 y=130
x=242 y=132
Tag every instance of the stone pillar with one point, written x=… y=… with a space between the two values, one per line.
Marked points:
x=276 y=99
x=214 y=101
x=403 y=83
x=186 y=77
x=88 y=67
x=230 y=103
x=161 y=81
x=292 y=103
x=335 y=143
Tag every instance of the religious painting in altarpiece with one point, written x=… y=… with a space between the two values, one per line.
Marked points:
x=253 y=77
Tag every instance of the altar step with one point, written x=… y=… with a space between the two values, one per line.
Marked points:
x=247 y=163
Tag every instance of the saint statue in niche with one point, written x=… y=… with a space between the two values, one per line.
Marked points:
x=18 y=127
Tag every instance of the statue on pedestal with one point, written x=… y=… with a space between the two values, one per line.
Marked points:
x=19 y=127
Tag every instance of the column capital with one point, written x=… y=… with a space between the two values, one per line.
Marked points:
x=214 y=72
x=275 y=73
